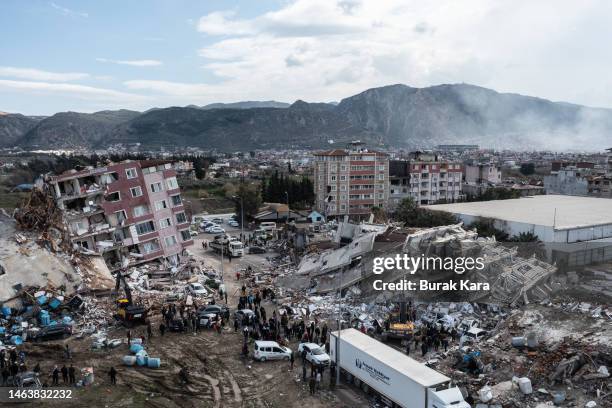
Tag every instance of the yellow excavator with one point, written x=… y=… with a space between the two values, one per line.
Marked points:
x=129 y=313
x=398 y=325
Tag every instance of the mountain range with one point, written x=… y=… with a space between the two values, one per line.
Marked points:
x=392 y=116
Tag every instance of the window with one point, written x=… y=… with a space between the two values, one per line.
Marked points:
x=343 y=187
x=172 y=183
x=136 y=191
x=131 y=173
x=145 y=227
x=165 y=223
x=342 y=178
x=381 y=176
x=150 y=246
x=333 y=178
x=140 y=210
x=176 y=200
x=185 y=235
x=157 y=187
x=120 y=216
x=114 y=197
x=181 y=218
x=160 y=205
x=171 y=240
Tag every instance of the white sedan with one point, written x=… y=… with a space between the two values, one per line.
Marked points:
x=216 y=230
x=314 y=353
x=196 y=289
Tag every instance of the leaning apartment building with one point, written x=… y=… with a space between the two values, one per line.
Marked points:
x=129 y=212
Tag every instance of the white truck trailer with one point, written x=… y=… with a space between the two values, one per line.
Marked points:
x=401 y=380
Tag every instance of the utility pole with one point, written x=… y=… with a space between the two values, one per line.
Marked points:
x=339 y=328
x=288 y=210
x=242 y=218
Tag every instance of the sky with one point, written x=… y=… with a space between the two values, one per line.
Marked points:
x=88 y=56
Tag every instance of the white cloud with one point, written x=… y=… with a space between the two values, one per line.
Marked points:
x=40 y=75
x=329 y=49
x=68 y=12
x=74 y=90
x=135 y=63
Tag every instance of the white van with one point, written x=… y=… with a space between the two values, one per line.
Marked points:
x=271 y=350
x=268 y=226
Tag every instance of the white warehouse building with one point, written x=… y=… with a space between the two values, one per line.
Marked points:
x=576 y=231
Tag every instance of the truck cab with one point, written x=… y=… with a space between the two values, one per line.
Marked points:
x=446 y=398
x=236 y=248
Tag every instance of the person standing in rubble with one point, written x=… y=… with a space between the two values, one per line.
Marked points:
x=113 y=376
x=5 y=376
x=64 y=374
x=149 y=330
x=72 y=374
x=162 y=328
x=67 y=353
x=55 y=375
x=312 y=384
x=129 y=337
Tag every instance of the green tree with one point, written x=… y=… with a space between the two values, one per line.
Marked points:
x=527 y=169
x=412 y=215
x=485 y=228
x=248 y=195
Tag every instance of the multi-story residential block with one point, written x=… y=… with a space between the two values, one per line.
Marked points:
x=426 y=178
x=351 y=182
x=567 y=181
x=486 y=173
x=129 y=212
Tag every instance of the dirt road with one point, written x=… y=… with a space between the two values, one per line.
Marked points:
x=219 y=377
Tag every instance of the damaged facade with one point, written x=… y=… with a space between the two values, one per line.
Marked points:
x=129 y=212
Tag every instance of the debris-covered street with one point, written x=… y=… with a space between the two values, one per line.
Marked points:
x=206 y=328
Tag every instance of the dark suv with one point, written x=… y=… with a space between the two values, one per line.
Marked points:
x=220 y=310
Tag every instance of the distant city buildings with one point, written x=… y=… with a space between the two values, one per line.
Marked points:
x=129 y=212
x=580 y=178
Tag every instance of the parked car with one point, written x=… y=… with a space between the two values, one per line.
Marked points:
x=474 y=335
x=216 y=309
x=257 y=250
x=314 y=353
x=176 y=325
x=239 y=314
x=215 y=230
x=217 y=220
x=196 y=289
x=57 y=331
x=206 y=319
x=206 y=224
x=193 y=233
x=271 y=350
x=233 y=223
x=28 y=379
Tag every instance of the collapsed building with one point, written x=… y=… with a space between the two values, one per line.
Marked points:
x=512 y=278
x=129 y=213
